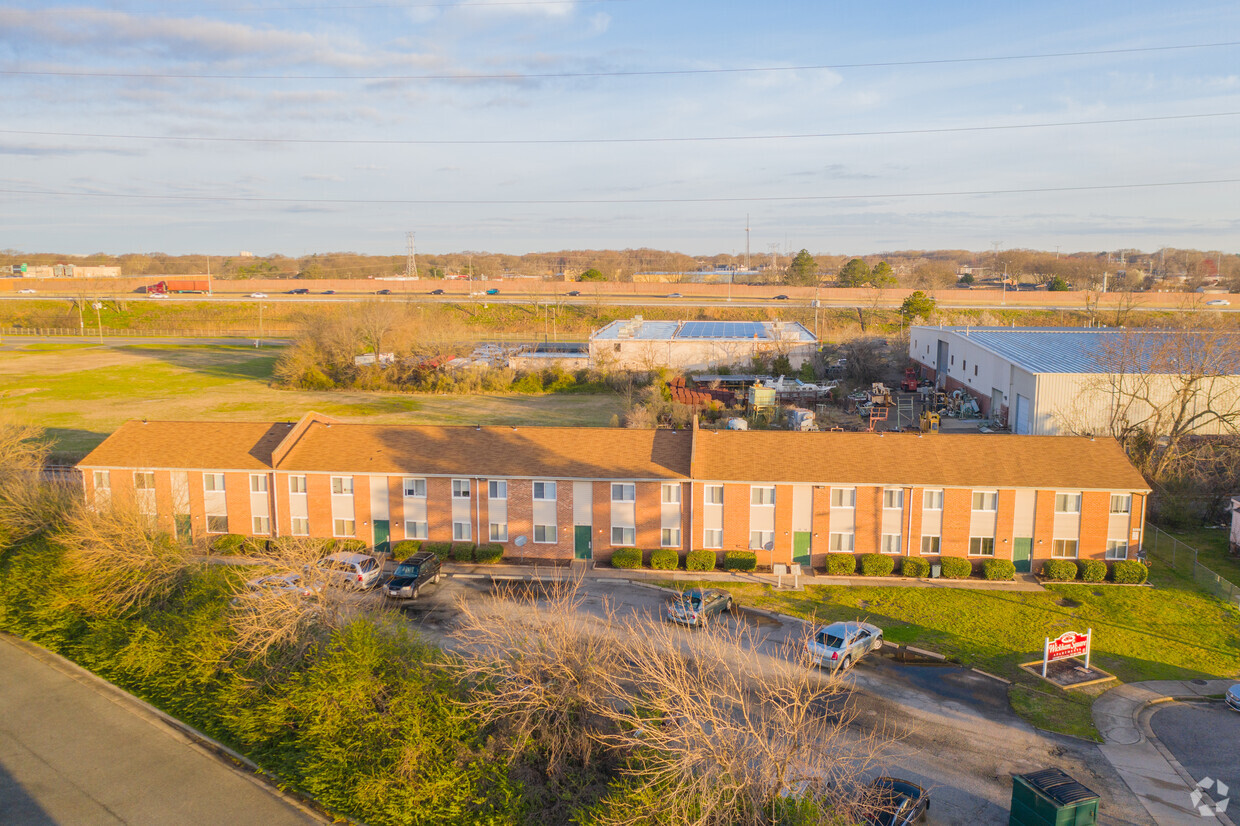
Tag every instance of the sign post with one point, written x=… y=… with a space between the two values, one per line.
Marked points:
x=1067 y=645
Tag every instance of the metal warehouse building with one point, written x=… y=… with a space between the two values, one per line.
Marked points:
x=1055 y=381
x=637 y=344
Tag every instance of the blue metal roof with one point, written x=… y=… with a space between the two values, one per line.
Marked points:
x=1081 y=350
x=636 y=329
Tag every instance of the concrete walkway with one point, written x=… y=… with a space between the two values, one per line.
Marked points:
x=76 y=749
x=1154 y=775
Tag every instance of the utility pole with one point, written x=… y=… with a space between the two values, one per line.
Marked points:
x=208 y=275
x=99 y=319
x=746 y=242
x=260 y=323
x=411 y=261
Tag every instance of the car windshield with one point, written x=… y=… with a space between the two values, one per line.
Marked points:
x=407 y=570
x=829 y=640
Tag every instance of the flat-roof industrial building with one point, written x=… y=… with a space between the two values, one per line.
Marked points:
x=1054 y=381
x=638 y=344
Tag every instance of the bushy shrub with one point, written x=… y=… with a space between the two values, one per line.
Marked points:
x=1129 y=572
x=406 y=548
x=462 y=552
x=915 y=566
x=955 y=567
x=1093 y=570
x=489 y=554
x=877 y=565
x=841 y=564
x=740 y=561
x=351 y=546
x=626 y=558
x=1059 y=570
x=443 y=550
x=999 y=570
x=229 y=543
x=700 y=561
x=664 y=559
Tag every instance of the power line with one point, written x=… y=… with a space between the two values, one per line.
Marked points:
x=585 y=201
x=349 y=7
x=691 y=139
x=634 y=73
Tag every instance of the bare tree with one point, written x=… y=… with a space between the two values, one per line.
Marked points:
x=30 y=502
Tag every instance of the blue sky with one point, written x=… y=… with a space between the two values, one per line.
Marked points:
x=443 y=91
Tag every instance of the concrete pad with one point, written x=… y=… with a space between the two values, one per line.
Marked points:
x=1117 y=728
x=1160 y=789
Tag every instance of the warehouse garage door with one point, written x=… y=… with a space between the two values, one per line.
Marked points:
x=1022 y=415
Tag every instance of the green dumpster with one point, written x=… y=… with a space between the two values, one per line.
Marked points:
x=1049 y=797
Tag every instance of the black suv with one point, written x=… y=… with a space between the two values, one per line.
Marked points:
x=412 y=575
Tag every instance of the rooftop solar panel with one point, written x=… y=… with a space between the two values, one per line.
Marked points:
x=723 y=330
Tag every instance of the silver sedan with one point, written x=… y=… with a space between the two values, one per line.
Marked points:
x=840 y=644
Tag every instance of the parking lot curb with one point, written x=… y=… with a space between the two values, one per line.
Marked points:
x=1003 y=680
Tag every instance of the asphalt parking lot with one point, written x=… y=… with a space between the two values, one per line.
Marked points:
x=1205 y=738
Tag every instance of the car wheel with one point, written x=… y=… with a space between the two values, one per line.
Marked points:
x=727 y=606
x=878 y=643
x=844 y=666
x=435 y=579
x=414 y=593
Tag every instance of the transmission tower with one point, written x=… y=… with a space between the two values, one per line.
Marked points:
x=411 y=260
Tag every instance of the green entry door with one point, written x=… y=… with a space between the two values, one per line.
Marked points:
x=183 y=524
x=582 y=548
x=801 y=541
x=383 y=534
x=1022 y=555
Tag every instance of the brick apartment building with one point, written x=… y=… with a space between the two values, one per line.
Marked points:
x=581 y=492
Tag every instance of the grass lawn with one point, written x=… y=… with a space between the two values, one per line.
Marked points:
x=81 y=392
x=1211 y=545
x=1169 y=632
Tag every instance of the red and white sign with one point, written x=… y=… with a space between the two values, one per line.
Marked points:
x=1067 y=645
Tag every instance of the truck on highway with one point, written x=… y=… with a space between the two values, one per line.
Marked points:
x=186 y=285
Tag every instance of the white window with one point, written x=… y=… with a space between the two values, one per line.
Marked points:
x=414 y=488
x=342 y=485
x=671 y=494
x=1121 y=503
x=984 y=500
x=759 y=540
x=258 y=483
x=1063 y=548
x=544 y=533
x=712 y=538
x=1067 y=503
x=300 y=525
x=893 y=498
x=416 y=530
x=460 y=488
x=762 y=495
x=213 y=481
x=930 y=545
x=144 y=480
x=217 y=523
x=891 y=543
x=713 y=494
x=932 y=500
x=623 y=492
x=261 y=525
x=624 y=537
x=499 y=531
x=981 y=546
x=296 y=484
x=544 y=491
x=670 y=538
x=103 y=480
x=841 y=542
x=1117 y=549
x=498 y=489
x=843 y=497
x=342 y=527
x=460 y=531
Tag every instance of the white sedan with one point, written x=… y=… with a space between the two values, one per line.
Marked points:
x=258 y=295
x=27 y=292
x=1218 y=302
x=840 y=644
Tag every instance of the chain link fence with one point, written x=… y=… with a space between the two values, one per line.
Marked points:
x=1171 y=551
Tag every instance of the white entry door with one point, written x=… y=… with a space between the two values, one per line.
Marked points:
x=1022 y=415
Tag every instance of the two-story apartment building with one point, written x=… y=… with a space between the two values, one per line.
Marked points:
x=555 y=493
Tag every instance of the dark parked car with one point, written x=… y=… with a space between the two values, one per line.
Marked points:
x=329 y=292
x=892 y=802
x=674 y=295
x=299 y=291
x=493 y=291
x=412 y=575
x=781 y=297
x=696 y=605
x=436 y=292
x=384 y=292
x=574 y=292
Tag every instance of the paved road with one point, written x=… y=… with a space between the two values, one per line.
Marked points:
x=1205 y=738
x=960 y=737
x=75 y=752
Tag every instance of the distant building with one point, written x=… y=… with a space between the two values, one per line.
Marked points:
x=1056 y=381
x=638 y=344
x=65 y=271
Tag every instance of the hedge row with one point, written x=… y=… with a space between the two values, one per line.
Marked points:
x=668 y=559
x=1124 y=571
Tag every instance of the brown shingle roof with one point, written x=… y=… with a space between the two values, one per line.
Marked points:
x=204 y=445
x=556 y=452
x=951 y=460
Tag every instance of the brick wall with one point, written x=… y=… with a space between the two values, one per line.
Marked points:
x=1095 y=518
x=237 y=495
x=689 y=506
x=649 y=511
x=869 y=520
x=957 y=514
x=1005 y=524
x=735 y=517
x=782 y=554
x=284 y=519
x=439 y=509
x=1043 y=527
x=396 y=508
x=914 y=498
x=319 y=504
x=821 y=541
x=363 y=525
x=602 y=522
